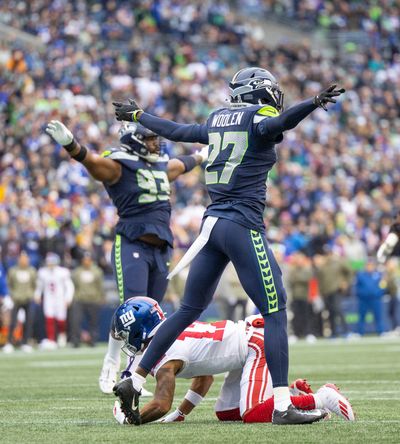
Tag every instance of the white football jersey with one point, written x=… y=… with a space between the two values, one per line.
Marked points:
x=55 y=283
x=208 y=349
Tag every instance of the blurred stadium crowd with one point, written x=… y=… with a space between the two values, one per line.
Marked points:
x=334 y=189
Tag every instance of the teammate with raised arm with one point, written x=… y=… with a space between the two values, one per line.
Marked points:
x=137 y=179
x=389 y=244
x=241 y=140
x=206 y=349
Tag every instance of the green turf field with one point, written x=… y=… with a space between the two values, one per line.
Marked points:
x=52 y=397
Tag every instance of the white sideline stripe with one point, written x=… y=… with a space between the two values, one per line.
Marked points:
x=353 y=381
x=66 y=363
x=63 y=421
x=344 y=367
x=51 y=398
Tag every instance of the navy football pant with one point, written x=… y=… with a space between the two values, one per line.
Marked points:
x=140 y=269
x=259 y=275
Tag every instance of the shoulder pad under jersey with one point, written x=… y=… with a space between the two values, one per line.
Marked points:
x=264 y=112
x=118 y=154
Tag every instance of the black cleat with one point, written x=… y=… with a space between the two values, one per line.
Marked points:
x=296 y=416
x=129 y=398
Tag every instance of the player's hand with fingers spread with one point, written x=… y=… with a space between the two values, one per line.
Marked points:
x=129 y=113
x=59 y=132
x=326 y=96
x=176 y=416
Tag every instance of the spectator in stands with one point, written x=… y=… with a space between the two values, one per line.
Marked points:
x=334 y=277
x=22 y=284
x=298 y=281
x=88 y=281
x=6 y=306
x=54 y=284
x=231 y=297
x=369 y=289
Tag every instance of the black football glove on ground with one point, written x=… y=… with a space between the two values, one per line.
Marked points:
x=326 y=96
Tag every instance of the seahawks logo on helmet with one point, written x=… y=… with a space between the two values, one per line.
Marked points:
x=256 y=86
x=132 y=137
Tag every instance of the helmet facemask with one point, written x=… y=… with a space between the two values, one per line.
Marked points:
x=136 y=139
x=256 y=86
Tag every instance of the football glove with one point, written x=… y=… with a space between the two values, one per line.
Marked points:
x=128 y=113
x=203 y=153
x=326 y=96
x=176 y=416
x=386 y=249
x=59 y=132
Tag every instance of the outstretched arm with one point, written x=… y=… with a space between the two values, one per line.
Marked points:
x=198 y=389
x=273 y=127
x=387 y=247
x=184 y=164
x=165 y=128
x=177 y=132
x=164 y=393
x=100 y=168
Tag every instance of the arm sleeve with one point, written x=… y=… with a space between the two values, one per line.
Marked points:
x=274 y=126
x=175 y=131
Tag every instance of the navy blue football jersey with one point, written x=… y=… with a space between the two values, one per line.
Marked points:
x=141 y=196
x=242 y=151
x=238 y=164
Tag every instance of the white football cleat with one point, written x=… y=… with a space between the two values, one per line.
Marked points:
x=26 y=348
x=334 y=401
x=8 y=348
x=62 y=340
x=108 y=376
x=46 y=344
x=119 y=414
x=146 y=393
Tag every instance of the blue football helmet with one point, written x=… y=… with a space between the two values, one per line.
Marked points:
x=132 y=137
x=135 y=322
x=256 y=86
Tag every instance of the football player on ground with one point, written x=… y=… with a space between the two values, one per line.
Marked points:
x=392 y=239
x=242 y=140
x=137 y=179
x=209 y=349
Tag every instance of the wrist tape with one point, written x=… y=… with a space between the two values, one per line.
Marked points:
x=80 y=157
x=193 y=397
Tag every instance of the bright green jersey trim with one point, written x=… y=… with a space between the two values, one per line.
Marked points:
x=266 y=272
x=105 y=153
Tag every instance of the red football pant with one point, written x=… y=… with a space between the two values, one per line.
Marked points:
x=263 y=412
x=51 y=328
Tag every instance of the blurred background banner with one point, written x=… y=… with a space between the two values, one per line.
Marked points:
x=331 y=196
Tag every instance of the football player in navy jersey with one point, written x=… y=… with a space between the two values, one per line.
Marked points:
x=137 y=179
x=241 y=140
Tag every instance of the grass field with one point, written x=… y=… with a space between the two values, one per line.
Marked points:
x=53 y=397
